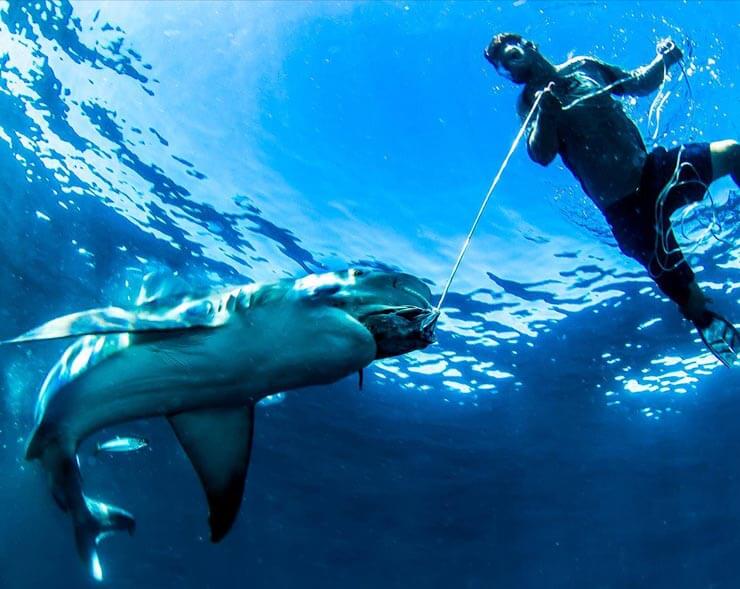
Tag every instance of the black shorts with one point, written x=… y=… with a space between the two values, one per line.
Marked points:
x=641 y=222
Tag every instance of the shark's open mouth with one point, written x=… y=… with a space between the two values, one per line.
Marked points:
x=398 y=330
x=425 y=319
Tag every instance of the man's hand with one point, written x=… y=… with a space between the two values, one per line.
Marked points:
x=671 y=54
x=550 y=103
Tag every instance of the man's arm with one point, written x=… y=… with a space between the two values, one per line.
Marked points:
x=542 y=143
x=646 y=79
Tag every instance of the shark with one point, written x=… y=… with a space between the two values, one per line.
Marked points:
x=202 y=361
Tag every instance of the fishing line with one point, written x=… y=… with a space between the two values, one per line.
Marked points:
x=596 y=93
x=656 y=106
x=688 y=84
x=483 y=205
x=660 y=103
x=712 y=229
x=610 y=87
x=656 y=109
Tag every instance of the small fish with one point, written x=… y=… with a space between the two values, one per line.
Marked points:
x=122 y=444
x=272 y=399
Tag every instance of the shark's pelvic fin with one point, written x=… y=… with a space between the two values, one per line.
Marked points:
x=218 y=443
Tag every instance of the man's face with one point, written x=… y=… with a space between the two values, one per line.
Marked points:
x=515 y=60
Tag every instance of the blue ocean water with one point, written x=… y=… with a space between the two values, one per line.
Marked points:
x=567 y=430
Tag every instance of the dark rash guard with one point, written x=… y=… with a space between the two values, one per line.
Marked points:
x=596 y=140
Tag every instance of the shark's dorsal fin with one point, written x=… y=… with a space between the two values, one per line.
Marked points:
x=161 y=287
x=218 y=443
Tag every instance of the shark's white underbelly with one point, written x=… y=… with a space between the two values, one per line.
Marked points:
x=204 y=368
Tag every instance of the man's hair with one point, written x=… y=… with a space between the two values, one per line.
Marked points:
x=493 y=51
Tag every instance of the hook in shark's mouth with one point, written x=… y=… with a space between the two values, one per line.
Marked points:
x=398 y=330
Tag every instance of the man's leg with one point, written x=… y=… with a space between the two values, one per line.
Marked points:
x=725 y=159
x=675 y=278
x=666 y=264
x=718 y=333
x=696 y=307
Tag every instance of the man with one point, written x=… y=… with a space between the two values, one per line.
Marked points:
x=637 y=191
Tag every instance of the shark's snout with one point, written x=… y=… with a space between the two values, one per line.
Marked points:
x=395 y=307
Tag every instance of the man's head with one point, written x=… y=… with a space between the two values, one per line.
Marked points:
x=513 y=56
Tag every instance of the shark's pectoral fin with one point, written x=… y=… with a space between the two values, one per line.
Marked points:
x=93 y=322
x=218 y=443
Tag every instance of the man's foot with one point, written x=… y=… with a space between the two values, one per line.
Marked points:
x=721 y=337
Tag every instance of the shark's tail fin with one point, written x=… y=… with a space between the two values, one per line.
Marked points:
x=100 y=521
x=93 y=520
